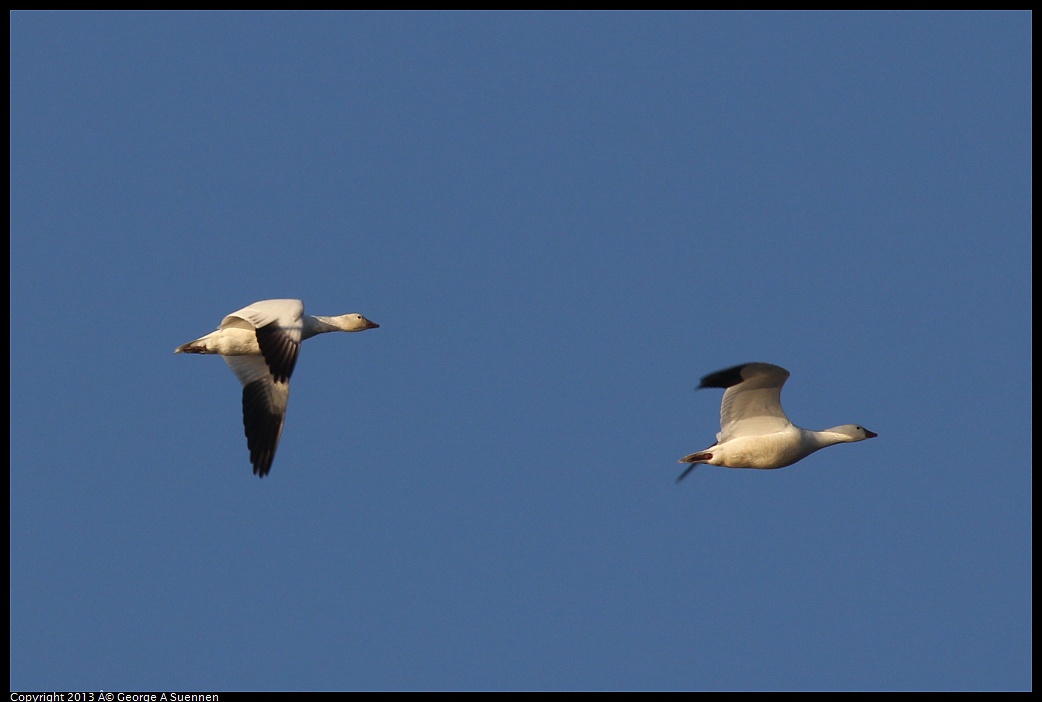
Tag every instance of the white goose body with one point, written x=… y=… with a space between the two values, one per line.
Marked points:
x=260 y=343
x=754 y=430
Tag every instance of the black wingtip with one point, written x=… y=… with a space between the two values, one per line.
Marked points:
x=262 y=427
x=261 y=460
x=729 y=377
x=686 y=471
x=278 y=350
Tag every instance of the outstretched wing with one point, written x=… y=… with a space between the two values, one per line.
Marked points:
x=264 y=400
x=752 y=399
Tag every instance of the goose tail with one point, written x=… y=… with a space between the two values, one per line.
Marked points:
x=197 y=346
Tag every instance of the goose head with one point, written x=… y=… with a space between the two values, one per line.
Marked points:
x=352 y=322
x=851 y=432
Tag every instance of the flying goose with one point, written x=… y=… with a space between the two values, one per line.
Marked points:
x=260 y=343
x=754 y=431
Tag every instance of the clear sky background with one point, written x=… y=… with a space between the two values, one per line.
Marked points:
x=561 y=222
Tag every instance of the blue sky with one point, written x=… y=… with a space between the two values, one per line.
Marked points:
x=561 y=222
